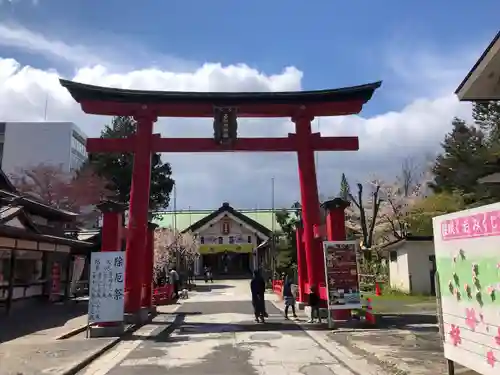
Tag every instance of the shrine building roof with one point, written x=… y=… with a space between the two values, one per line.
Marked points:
x=113 y=101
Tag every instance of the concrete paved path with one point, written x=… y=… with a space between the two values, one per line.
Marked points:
x=215 y=335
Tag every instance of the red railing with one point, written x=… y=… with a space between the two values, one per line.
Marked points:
x=278 y=286
x=163 y=295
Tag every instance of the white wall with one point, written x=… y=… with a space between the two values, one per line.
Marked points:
x=412 y=259
x=31 y=143
x=398 y=271
x=420 y=266
x=236 y=229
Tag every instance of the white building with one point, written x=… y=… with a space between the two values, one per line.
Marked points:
x=483 y=80
x=412 y=265
x=25 y=144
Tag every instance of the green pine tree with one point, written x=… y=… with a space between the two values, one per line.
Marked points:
x=117 y=168
x=486 y=116
x=345 y=189
x=462 y=161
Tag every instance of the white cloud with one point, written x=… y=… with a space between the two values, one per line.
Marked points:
x=21 y=38
x=242 y=179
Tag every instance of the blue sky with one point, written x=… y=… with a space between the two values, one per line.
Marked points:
x=420 y=49
x=336 y=43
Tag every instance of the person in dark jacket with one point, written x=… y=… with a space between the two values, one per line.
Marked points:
x=314 y=304
x=258 y=288
x=288 y=297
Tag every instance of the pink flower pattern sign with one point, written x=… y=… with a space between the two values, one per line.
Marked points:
x=467 y=248
x=471 y=226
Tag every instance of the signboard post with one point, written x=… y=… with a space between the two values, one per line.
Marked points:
x=106 y=287
x=342 y=276
x=467 y=247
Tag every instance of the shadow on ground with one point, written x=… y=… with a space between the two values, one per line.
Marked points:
x=38 y=316
x=202 y=288
x=411 y=322
x=275 y=323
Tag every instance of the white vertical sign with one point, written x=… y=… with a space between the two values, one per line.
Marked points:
x=106 y=287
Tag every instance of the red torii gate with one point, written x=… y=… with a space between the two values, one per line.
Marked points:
x=147 y=106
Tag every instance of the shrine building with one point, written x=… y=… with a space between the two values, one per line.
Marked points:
x=483 y=80
x=37 y=256
x=482 y=83
x=232 y=242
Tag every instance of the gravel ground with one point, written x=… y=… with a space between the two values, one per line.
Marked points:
x=401 y=344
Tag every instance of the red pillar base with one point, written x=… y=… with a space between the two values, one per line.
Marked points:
x=147 y=284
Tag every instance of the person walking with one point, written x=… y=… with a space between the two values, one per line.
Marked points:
x=190 y=274
x=174 y=280
x=258 y=288
x=210 y=274
x=288 y=297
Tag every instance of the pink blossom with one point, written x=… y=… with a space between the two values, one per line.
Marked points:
x=490 y=358
x=168 y=242
x=471 y=320
x=454 y=333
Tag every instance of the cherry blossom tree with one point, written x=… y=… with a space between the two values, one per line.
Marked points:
x=362 y=215
x=381 y=214
x=401 y=197
x=51 y=185
x=171 y=245
x=394 y=212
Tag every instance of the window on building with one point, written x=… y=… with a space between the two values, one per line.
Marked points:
x=202 y=240
x=2 y=127
x=393 y=256
x=28 y=267
x=221 y=240
x=231 y=239
x=4 y=266
x=249 y=239
x=78 y=147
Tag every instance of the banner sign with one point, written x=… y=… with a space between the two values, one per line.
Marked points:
x=341 y=271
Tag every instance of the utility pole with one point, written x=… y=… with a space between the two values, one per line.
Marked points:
x=176 y=239
x=273 y=229
x=46 y=107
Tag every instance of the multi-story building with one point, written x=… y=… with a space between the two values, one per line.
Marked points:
x=25 y=144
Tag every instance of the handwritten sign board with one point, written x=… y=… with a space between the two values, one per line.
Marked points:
x=467 y=247
x=106 y=287
x=341 y=271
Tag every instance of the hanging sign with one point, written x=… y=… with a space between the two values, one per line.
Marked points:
x=225 y=226
x=55 y=289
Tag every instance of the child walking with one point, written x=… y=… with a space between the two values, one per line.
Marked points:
x=288 y=297
x=314 y=304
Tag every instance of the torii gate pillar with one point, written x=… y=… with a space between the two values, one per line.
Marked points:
x=147 y=276
x=309 y=199
x=135 y=266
